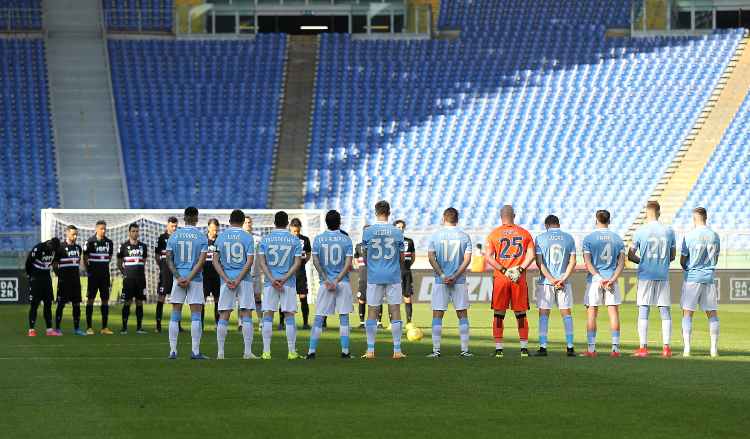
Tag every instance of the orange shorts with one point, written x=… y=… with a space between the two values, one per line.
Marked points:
x=506 y=294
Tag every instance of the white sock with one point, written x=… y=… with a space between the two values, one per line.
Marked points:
x=643 y=332
x=196 y=332
x=396 y=333
x=267 y=332
x=713 y=329
x=247 y=334
x=687 y=330
x=498 y=345
x=437 y=333
x=221 y=335
x=463 y=333
x=174 y=332
x=314 y=337
x=666 y=331
x=344 y=332
x=291 y=334
x=371 y=328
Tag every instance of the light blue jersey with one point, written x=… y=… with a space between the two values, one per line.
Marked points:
x=280 y=248
x=332 y=248
x=555 y=247
x=234 y=246
x=450 y=245
x=604 y=247
x=701 y=246
x=186 y=245
x=653 y=243
x=384 y=243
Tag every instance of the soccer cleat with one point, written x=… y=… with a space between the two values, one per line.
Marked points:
x=90 y=331
x=434 y=354
x=123 y=332
x=570 y=352
x=249 y=356
x=361 y=325
x=106 y=331
x=589 y=354
x=369 y=355
x=346 y=355
x=79 y=332
x=465 y=354
x=58 y=332
x=641 y=352
x=141 y=331
x=306 y=326
x=220 y=356
x=172 y=355
x=32 y=332
x=198 y=356
x=499 y=353
x=399 y=355
x=292 y=356
x=714 y=353
x=266 y=356
x=310 y=356
x=158 y=327
x=614 y=354
x=542 y=352
x=524 y=352
x=666 y=352
x=50 y=332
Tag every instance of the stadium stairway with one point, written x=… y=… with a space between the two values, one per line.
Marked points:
x=682 y=174
x=89 y=160
x=288 y=187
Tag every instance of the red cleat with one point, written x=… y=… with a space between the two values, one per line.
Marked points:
x=589 y=354
x=32 y=332
x=614 y=354
x=641 y=352
x=666 y=352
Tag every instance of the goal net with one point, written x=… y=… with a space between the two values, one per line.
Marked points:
x=153 y=223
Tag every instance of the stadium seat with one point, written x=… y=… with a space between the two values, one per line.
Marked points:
x=138 y=15
x=20 y=15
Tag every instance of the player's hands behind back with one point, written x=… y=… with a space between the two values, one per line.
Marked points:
x=513 y=273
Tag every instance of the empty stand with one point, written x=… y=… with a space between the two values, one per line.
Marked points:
x=20 y=15
x=138 y=15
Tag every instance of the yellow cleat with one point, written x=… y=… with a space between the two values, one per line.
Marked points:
x=399 y=355
x=106 y=331
x=369 y=356
x=89 y=331
x=266 y=356
x=293 y=356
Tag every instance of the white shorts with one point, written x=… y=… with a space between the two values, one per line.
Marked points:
x=654 y=293
x=694 y=294
x=334 y=302
x=274 y=299
x=443 y=294
x=193 y=295
x=242 y=294
x=377 y=294
x=598 y=296
x=547 y=296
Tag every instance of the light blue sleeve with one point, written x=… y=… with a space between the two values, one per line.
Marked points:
x=431 y=244
x=467 y=244
x=587 y=244
x=249 y=245
x=204 y=244
x=219 y=243
x=400 y=241
x=349 y=248
x=298 y=248
x=171 y=242
x=263 y=247
x=316 y=246
x=672 y=239
x=685 y=249
x=538 y=244
x=637 y=239
x=366 y=236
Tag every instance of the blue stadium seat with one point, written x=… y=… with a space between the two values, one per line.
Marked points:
x=20 y=15
x=138 y=15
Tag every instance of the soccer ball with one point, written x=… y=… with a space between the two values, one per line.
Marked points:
x=409 y=326
x=414 y=334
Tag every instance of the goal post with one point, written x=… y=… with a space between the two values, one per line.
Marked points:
x=153 y=222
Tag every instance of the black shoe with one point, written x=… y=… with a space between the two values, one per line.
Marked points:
x=325 y=323
x=346 y=355
x=305 y=326
x=542 y=352
x=499 y=353
x=310 y=356
x=361 y=325
x=158 y=327
x=571 y=352
x=524 y=352
x=380 y=325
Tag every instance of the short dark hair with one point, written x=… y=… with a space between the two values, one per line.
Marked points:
x=602 y=216
x=101 y=223
x=133 y=226
x=172 y=219
x=53 y=244
x=215 y=222
x=451 y=215
x=236 y=217
x=295 y=222
x=653 y=205
x=702 y=212
x=71 y=227
x=479 y=246
x=191 y=212
x=333 y=220
x=399 y=221
x=552 y=220
x=281 y=219
x=382 y=208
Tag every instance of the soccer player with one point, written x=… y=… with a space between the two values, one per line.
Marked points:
x=556 y=259
x=700 y=254
x=360 y=256
x=280 y=256
x=385 y=246
x=407 y=281
x=131 y=261
x=510 y=251
x=96 y=258
x=233 y=259
x=38 y=265
x=604 y=256
x=255 y=272
x=653 y=249
x=295 y=226
x=68 y=266
x=332 y=253
x=449 y=253
x=165 y=276
x=211 y=281
x=186 y=254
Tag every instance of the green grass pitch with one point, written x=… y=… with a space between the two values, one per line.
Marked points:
x=124 y=387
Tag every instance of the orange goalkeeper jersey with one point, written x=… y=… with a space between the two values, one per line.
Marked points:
x=509 y=244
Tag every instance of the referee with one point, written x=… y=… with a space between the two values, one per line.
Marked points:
x=211 y=281
x=67 y=266
x=96 y=258
x=407 y=282
x=38 y=264
x=131 y=261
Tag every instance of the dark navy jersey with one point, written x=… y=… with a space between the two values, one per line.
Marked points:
x=161 y=249
x=409 y=255
x=133 y=258
x=68 y=260
x=99 y=253
x=209 y=272
x=39 y=260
